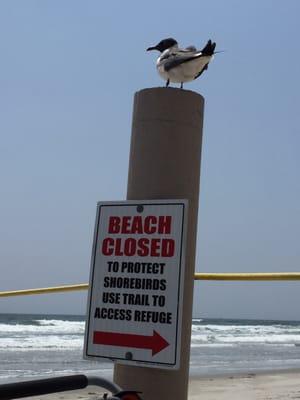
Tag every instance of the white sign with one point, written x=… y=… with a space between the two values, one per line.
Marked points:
x=136 y=283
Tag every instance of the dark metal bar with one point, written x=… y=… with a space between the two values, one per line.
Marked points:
x=42 y=386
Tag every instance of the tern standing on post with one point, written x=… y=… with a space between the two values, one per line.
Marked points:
x=182 y=65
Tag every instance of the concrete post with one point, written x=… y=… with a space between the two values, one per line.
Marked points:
x=164 y=163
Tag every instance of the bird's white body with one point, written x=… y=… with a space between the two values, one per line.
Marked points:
x=183 y=72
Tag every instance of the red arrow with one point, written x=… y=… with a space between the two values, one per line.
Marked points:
x=156 y=343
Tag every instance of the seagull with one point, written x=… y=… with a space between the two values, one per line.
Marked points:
x=182 y=65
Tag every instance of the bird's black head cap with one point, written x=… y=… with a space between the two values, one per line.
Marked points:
x=164 y=45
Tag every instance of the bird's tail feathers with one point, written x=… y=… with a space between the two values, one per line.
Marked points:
x=209 y=48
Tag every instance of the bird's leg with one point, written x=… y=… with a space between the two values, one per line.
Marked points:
x=168 y=81
x=181 y=86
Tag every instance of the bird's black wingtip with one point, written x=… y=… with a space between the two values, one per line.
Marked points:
x=209 y=48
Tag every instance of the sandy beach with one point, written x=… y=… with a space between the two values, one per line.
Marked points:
x=266 y=386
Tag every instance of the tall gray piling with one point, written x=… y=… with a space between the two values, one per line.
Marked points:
x=164 y=163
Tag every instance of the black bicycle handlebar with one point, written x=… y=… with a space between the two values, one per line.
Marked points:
x=17 y=390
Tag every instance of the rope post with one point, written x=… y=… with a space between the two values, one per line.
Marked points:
x=164 y=163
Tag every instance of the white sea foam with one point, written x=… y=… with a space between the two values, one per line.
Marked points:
x=55 y=334
x=44 y=327
x=208 y=345
x=51 y=342
x=43 y=334
x=236 y=334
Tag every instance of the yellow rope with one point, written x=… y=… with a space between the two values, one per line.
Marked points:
x=250 y=276
x=56 y=289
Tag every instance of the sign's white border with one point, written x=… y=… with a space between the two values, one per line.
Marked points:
x=153 y=364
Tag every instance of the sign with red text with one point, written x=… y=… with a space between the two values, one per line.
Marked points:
x=136 y=283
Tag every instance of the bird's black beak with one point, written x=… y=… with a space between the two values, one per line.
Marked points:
x=152 y=48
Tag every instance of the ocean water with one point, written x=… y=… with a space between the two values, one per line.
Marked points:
x=35 y=346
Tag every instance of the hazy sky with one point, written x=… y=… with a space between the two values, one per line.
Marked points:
x=68 y=73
